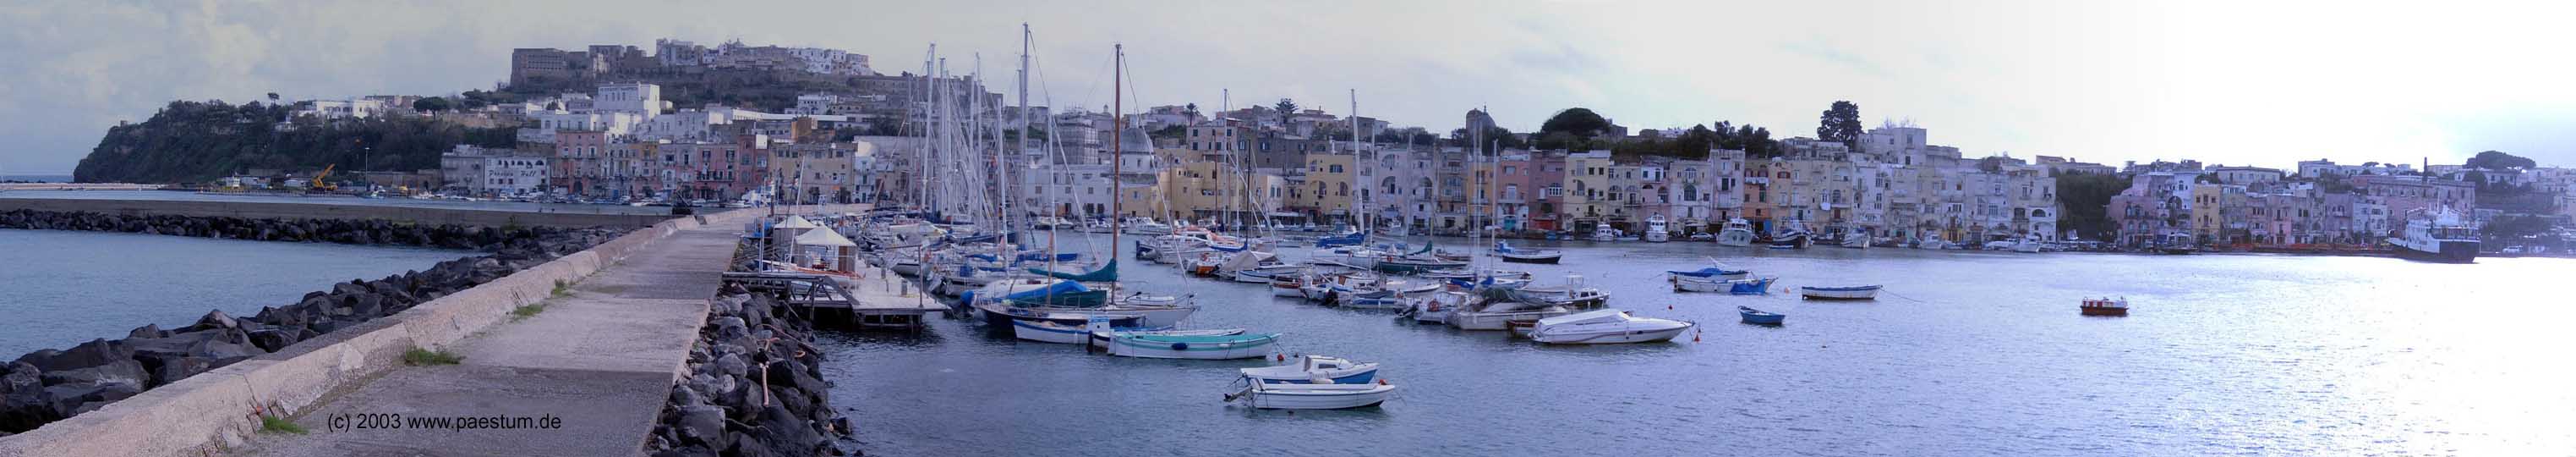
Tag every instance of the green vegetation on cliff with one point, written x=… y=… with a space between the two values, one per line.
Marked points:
x=188 y=142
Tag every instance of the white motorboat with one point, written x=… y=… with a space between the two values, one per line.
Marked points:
x=1869 y=292
x=1603 y=232
x=1315 y=369
x=1658 y=229
x=1736 y=233
x=1265 y=274
x=1607 y=326
x=1051 y=331
x=1856 y=239
x=1310 y=396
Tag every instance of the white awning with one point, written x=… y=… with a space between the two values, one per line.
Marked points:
x=796 y=222
x=823 y=238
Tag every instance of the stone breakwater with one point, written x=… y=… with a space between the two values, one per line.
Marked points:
x=754 y=386
x=50 y=385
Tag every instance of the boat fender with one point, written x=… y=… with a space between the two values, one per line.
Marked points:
x=1281 y=357
x=1180 y=346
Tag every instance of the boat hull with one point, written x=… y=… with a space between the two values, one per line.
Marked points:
x=1814 y=293
x=1610 y=337
x=2105 y=311
x=1497 y=321
x=1763 y=319
x=1539 y=259
x=1238 y=348
x=1315 y=396
x=2452 y=252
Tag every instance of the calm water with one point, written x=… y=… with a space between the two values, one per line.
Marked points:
x=61 y=288
x=1966 y=354
x=190 y=196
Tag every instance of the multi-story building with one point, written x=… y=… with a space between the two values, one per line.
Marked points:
x=1590 y=196
x=2218 y=214
x=514 y=175
x=813 y=173
x=2244 y=175
x=2405 y=195
x=1328 y=183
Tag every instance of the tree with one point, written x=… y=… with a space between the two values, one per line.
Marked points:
x=1840 y=123
x=552 y=106
x=2495 y=160
x=2086 y=201
x=431 y=105
x=1191 y=110
x=272 y=98
x=1576 y=121
x=1285 y=108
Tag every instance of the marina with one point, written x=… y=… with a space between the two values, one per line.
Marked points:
x=1985 y=329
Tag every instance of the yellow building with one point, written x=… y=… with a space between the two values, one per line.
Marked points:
x=1205 y=191
x=1328 y=191
x=2216 y=212
x=819 y=172
x=1588 y=190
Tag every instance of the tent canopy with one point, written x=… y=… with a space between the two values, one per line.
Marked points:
x=823 y=238
x=796 y=222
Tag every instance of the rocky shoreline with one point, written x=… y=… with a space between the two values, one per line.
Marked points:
x=754 y=388
x=50 y=384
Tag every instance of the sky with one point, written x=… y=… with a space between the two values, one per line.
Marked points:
x=2239 y=82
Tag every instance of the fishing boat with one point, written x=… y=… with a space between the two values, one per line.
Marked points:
x=2105 y=307
x=1353 y=238
x=1498 y=314
x=1856 y=239
x=1416 y=263
x=1505 y=251
x=1261 y=395
x=1869 y=292
x=1709 y=273
x=1747 y=286
x=1315 y=369
x=1759 y=317
x=1607 y=326
x=1603 y=232
x=1658 y=229
x=1435 y=308
x=1791 y=235
x=1052 y=332
x=1736 y=233
x=1196 y=347
x=1288 y=285
x=2438 y=236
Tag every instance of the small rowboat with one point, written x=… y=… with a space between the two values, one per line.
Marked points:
x=1759 y=317
x=1869 y=292
x=2106 y=307
x=1263 y=395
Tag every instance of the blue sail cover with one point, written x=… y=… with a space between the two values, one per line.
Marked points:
x=1106 y=273
x=1035 y=256
x=1059 y=288
x=1704 y=272
x=1503 y=247
x=1346 y=239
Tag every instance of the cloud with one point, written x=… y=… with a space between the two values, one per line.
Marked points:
x=2223 y=81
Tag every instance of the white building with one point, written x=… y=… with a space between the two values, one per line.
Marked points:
x=358 y=108
x=1074 y=191
x=461 y=169
x=506 y=175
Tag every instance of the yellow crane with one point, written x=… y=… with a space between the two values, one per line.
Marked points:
x=317 y=182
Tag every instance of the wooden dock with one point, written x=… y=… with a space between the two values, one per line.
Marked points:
x=875 y=299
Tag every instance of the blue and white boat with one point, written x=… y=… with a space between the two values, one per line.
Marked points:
x=1354 y=238
x=1200 y=347
x=1515 y=255
x=1315 y=369
x=1747 y=286
x=1710 y=273
x=1759 y=317
x=1869 y=292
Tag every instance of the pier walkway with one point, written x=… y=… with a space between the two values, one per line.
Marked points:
x=600 y=360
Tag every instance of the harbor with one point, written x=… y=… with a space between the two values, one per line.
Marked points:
x=2224 y=353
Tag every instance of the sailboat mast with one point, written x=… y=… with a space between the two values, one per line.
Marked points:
x=1117 y=152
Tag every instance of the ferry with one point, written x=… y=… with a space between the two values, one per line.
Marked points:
x=2437 y=237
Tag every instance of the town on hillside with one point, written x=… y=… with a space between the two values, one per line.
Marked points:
x=744 y=125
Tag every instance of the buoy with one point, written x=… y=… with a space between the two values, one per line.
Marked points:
x=1281 y=357
x=1668 y=306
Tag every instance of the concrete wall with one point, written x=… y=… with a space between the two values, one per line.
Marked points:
x=216 y=410
x=490 y=218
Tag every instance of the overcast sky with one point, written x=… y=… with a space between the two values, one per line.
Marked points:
x=2223 y=82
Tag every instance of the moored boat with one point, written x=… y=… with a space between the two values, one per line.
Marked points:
x=1737 y=233
x=1759 y=317
x=1606 y=326
x=1263 y=395
x=1869 y=292
x=1515 y=255
x=2105 y=307
x=2437 y=237
x=1315 y=369
x=1199 y=347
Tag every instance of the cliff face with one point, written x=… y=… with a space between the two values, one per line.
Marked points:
x=195 y=142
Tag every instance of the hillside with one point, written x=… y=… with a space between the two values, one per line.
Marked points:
x=187 y=142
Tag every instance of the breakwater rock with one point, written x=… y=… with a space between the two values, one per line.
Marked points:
x=52 y=384
x=754 y=387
